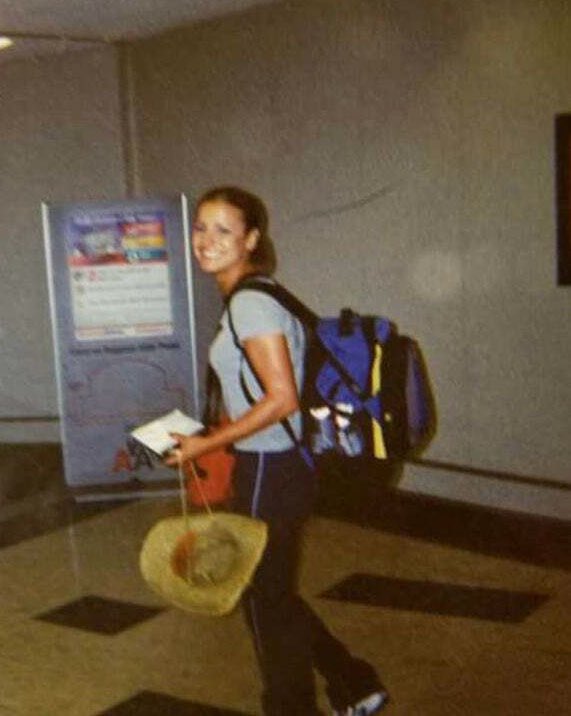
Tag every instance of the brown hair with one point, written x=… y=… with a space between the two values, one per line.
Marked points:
x=255 y=216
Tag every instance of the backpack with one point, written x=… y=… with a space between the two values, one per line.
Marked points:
x=365 y=392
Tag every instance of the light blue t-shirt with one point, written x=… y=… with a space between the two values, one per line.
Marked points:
x=255 y=314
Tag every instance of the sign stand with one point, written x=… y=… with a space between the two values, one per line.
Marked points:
x=132 y=320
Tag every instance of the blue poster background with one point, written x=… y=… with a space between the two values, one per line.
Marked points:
x=123 y=370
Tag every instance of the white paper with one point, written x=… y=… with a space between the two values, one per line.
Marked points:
x=155 y=435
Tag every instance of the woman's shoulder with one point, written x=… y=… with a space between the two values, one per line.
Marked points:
x=252 y=309
x=251 y=296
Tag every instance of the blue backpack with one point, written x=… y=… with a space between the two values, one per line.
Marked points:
x=366 y=391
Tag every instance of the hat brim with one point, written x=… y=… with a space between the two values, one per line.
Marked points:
x=155 y=561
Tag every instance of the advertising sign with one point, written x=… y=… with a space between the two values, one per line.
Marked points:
x=119 y=275
x=129 y=346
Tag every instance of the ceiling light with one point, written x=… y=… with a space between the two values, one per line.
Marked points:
x=5 y=42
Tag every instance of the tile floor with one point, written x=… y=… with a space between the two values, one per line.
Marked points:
x=464 y=611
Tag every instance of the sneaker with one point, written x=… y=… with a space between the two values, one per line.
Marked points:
x=371 y=704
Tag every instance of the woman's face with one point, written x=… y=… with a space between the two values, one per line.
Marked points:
x=220 y=241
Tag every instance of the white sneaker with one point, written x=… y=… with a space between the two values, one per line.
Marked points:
x=371 y=704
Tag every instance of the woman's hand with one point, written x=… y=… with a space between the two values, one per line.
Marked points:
x=270 y=358
x=188 y=447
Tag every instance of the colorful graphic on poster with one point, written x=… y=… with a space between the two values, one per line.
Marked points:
x=119 y=274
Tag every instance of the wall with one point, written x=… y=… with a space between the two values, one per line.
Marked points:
x=405 y=150
x=61 y=140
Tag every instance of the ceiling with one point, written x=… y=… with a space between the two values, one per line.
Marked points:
x=45 y=26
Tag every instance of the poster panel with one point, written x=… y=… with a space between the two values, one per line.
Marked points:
x=124 y=325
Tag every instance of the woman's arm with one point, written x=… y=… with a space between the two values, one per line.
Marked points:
x=270 y=358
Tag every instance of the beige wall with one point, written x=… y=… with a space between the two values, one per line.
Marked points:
x=60 y=140
x=406 y=152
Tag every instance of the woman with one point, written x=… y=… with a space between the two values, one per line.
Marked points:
x=271 y=481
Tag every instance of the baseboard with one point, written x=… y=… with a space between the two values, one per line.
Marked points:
x=547 y=498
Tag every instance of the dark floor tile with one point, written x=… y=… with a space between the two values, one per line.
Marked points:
x=99 y=615
x=437 y=598
x=150 y=703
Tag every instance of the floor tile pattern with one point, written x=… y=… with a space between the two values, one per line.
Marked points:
x=150 y=703
x=100 y=615
x=464 y=611
x=500 y=605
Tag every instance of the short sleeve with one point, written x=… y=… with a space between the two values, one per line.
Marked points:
x=256 y=314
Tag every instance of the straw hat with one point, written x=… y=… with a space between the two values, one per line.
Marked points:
x=203 y=562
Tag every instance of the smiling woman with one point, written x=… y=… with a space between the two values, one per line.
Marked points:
x=222 y=242
x=234 y=216
x=272 y=480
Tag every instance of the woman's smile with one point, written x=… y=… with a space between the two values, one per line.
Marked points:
x=220 y=241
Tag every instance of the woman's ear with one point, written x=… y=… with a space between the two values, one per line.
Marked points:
x=252 y=239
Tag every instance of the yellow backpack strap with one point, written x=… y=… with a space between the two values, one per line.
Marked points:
x=379 y=447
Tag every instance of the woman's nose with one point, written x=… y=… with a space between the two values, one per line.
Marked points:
x=206 y=237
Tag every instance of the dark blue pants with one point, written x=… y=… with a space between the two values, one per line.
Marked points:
x=289 y=638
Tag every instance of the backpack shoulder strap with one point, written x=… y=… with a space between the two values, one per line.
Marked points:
x=281 y=294
x=294 y=306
